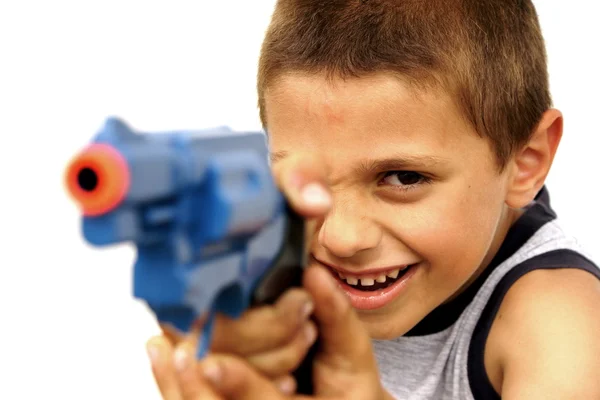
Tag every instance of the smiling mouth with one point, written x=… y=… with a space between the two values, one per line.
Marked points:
x=369 y=291
x=369 y=283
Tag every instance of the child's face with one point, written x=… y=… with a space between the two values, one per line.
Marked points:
x=412 y=184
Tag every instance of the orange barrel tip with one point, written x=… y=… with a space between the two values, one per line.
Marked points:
x=98 y=179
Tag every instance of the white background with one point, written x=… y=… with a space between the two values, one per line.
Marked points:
x=69 y=327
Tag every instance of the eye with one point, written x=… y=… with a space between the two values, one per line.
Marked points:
x=404 y=178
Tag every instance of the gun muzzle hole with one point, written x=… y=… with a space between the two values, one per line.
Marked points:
x=87 y=179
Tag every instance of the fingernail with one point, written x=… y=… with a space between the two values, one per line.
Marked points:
x=153 y=353
x=316 y=195
x=286 y=386
x=307 y=309
x=310 y=333
x=212 y=371
x=181 y=359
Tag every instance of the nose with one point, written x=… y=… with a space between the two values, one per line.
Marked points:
x=346 y=231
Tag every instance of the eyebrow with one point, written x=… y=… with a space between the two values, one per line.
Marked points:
x=278 y=155
x=398 y=162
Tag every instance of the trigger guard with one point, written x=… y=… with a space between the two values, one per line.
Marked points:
x=180 y=318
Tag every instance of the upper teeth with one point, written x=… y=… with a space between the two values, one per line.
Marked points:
x=367 y=282
x=370 y=280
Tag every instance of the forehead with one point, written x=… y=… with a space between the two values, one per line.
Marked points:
x=375 y=114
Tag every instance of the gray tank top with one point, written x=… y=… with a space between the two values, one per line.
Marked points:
x=442 y=357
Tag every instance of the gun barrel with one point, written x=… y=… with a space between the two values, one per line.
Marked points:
x=98 y=179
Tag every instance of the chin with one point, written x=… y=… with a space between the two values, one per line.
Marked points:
x=381 y=327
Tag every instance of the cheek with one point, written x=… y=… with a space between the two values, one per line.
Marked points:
x=452 y=232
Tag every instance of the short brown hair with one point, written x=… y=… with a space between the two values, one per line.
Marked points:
x=489 y=54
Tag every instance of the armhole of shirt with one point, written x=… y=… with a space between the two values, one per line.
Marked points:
x=479 y=382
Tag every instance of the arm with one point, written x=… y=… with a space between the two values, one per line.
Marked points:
x=545 y=341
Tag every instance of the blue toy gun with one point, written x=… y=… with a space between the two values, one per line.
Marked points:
x=212 y=232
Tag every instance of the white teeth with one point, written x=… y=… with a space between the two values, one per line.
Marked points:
x=393 y=274
x=371 y=280
x=352 y=281
x=367 y=282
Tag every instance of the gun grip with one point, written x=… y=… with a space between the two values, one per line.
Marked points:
x=287 y=272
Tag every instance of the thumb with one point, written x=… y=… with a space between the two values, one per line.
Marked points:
x=344 y=341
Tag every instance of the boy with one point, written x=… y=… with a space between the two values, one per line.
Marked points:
x=423 y=133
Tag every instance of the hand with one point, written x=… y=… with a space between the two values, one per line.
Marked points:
x=345 y=367
x=275 y=351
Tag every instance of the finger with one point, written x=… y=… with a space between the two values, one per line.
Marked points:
x=191 y=383
x=235 y=379
x=171 y=334
x=343 y=339
x=265 y=328
x=175 y=336
x=303 y=181
x=160 y=352
x=286 y=359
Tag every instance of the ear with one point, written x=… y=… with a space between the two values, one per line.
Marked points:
x=531 y=164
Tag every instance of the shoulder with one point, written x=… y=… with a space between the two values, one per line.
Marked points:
x=545 y=339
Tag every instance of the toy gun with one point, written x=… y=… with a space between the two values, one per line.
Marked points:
x=212 y=232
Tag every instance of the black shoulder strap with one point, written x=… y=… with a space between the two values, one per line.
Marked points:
x=563 y=258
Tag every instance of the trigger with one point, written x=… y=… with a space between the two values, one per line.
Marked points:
x=205 y=338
